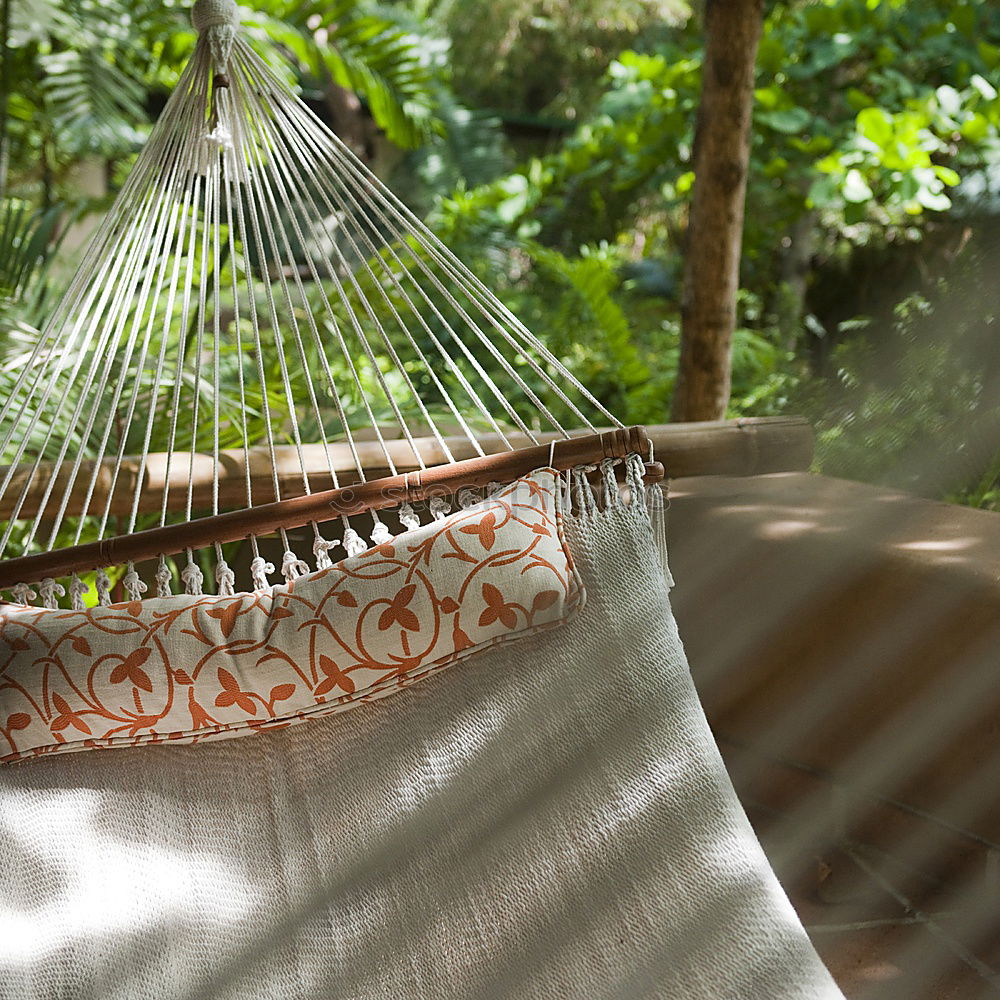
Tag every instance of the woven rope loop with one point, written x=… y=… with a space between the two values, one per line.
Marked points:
x=209 y=13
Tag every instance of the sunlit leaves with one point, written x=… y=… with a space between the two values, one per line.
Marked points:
x=360 y=48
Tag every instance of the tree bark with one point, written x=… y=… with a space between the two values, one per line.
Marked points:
x=796 y=263
x=347 y=119
x=715 y=227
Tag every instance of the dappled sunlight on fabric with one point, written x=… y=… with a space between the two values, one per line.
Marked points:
x=85 y=889
x=457 y=747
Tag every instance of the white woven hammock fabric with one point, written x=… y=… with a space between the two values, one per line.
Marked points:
x=550 y=819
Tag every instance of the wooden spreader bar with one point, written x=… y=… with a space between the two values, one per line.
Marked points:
x=377 y=494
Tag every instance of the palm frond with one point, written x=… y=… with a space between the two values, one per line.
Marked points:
x=25 y=236
x=92 y=104
x=365 y=51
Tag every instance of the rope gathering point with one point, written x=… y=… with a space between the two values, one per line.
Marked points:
x=207 y=14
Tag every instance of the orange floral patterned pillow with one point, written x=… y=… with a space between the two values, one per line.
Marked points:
x=185 y=669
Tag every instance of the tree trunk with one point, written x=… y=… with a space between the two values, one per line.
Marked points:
x=715 y=227
x=796 y=263
x=347 y=119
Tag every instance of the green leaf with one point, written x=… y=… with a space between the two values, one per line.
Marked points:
x=855 y=188
x=975 y=129
x=946 y=175
x=788 y=121
x=876 y=125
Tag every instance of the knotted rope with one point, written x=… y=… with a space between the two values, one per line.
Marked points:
x=217 y=20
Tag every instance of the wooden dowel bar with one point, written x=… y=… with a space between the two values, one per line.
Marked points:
x=748 y=446
x=377 y=494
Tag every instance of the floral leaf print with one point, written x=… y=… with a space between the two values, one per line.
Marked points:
x=227 y=615
x=544 y=599
x=131 y=669
x=460 y=639
x=399 y=612
x=497 y=609
x=485 y=528
x=199 y=717
x=131 y=608
x=281 y=692
x=534 y=490
x=232 y=695
x=253 y=662
x=335 y=677
x=66 y=717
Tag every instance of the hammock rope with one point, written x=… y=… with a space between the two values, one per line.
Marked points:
x=256 y=286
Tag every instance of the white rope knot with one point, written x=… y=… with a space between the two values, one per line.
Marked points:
x=163 y=578
x=408 y=517
x=381 y=533
x=292 y=567
x=354 y=543
x=192 y=577
x=583 y=494
x=50 y=590
x=134 y=585
x=259 y=568
x=23 y=594
x=635 y=471
x=216 y=21
x=657 y=507
x=207 y=14
x=77 y=588
x=467 y=498
x=440 y=508
x=225 y=578
x=221 y=138
x=103 y=584
x=321 y=550
x=611 y=494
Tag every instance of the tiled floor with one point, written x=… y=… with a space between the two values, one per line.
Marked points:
x=887 y=932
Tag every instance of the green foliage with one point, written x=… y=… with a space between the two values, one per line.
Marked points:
x=26 y=234
x=469 y=149
x=83 y=73
x=527 y=58
x=868 y=117
x=587 y=327
x=879 y=146
x=359 y=47
x=915 y=404
x=875 y=123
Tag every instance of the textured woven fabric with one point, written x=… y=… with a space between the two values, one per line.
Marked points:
x=549 y=819
x=193 y=668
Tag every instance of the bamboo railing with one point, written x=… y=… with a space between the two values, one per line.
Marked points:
x=748 y=446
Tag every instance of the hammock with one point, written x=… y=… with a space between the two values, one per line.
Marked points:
x=549 y=817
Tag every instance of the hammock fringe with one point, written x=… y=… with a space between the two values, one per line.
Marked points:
x=584 y=498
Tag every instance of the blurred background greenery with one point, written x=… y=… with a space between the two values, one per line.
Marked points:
x=549 y=143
